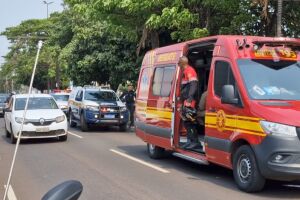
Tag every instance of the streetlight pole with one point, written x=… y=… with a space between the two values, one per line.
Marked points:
x=48 y=3
x=279 y=17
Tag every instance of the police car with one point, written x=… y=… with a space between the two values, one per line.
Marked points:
x=96 y=106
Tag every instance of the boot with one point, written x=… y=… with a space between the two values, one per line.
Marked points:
x=194 y=141
x=185 y=145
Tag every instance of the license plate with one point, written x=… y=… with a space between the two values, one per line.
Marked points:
x=43 y=129
x=109 y=116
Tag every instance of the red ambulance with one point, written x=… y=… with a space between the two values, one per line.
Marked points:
x=251 y=117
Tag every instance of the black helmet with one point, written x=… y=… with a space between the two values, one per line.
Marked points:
x=188 y=114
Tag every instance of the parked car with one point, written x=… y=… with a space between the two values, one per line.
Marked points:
x=43 y=119
x=3 y=98
x=62 y=101
x=97 y=106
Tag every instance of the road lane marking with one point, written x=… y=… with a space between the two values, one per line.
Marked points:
x=75 y=135
x=10 y=194
x=140 y=161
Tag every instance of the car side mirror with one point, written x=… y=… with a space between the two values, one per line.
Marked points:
x=228 y=96
x=70 y=190
x=78 y=99
x=7 y=110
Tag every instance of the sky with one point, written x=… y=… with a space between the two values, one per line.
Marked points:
x=13 y=12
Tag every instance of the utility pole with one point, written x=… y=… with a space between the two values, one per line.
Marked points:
x=279 y=18
x=47 y=4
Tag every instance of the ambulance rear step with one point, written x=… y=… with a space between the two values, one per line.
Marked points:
x=195 y=160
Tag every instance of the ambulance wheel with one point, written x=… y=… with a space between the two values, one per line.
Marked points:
x=155 y=152
x=245 y=170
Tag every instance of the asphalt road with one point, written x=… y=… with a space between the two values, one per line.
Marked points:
x=99 y=159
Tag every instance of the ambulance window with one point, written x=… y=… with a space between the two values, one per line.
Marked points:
x=167 y=81
x=162 y=82
x=158 y=76
x=144 y=83
x=223 y=76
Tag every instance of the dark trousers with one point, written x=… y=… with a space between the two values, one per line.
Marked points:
x=192 y=133
x=130 y=108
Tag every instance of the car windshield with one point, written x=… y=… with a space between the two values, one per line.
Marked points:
x=36 y=103
x=100 y=96
x=271 y=80
x=3 y=99
x=61 y=97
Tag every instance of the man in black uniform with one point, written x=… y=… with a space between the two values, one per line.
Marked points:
x=129 y=98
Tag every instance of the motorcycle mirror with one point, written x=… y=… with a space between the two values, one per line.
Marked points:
x=68 y=190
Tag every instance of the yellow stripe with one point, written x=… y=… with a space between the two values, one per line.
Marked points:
x=234 y=116
x=249 y=125
x=155 y=108
x=210 y=120
x=236 y=130
x=157 y=113
x=237 y=122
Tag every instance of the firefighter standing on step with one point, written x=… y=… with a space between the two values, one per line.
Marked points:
x=189 y=83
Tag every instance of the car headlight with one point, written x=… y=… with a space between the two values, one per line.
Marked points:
x=123 y=109
x=60 y=119
x=92 y=108
x=19 y=120
x=278 y=129
x=63 y=107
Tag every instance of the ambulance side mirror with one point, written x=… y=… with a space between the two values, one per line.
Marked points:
x=228 y=96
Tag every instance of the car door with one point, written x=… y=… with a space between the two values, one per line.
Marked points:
x=77 y=104
x=221 y=118
x=159 y=106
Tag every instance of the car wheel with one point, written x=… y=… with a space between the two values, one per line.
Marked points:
x=71 y=122
x=155 y=152
x=63 y=138
x=123 y=127
x=245 y=170
x=83 y=125
x=13 y=139
x=7 y=133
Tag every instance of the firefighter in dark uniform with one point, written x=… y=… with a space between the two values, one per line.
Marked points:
x=189 y=83
x=129 y=98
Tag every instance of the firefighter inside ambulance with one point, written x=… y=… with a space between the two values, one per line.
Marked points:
x=188 y=90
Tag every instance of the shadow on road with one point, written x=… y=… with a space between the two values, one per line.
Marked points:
x=33 y=141
x=104 y=129
x=214 y=174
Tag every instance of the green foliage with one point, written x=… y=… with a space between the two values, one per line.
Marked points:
x=104 y=40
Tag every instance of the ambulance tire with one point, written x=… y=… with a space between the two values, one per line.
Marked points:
x=155 y=152
x=246 y=172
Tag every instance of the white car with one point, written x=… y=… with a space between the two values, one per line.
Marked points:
x=62 y=101
x=44 y=119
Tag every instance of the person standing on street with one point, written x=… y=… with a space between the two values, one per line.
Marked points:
x=189 y=83
x=129 y=98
